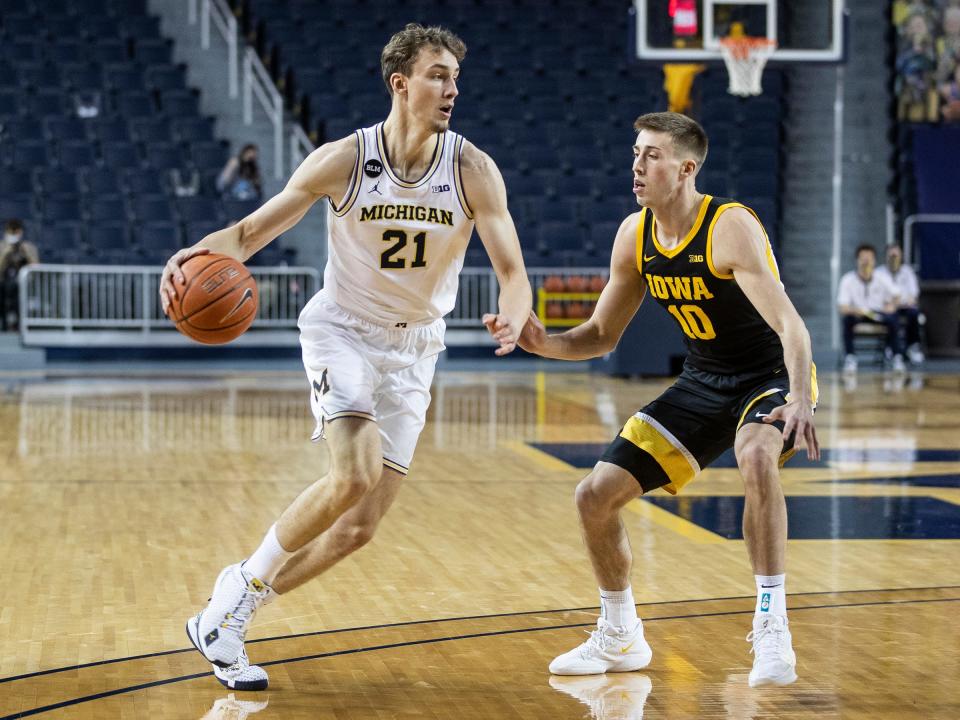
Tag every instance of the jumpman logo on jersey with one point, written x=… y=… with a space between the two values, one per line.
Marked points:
x=375 y=188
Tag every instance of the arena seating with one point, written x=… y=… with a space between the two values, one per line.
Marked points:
x=556 y=114
x=97 y=189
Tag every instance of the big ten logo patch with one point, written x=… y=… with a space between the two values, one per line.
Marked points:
x=696 y=258
x=212 y=283
x=440 y=188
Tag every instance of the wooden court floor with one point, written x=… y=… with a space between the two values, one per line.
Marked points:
x=122 y=496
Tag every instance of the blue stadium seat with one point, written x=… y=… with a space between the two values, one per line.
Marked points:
x=105 y=237
x=58 y=181
x=152 y=51
x=95 y=27
x=65 y=51
x=30 y=154
x=48 y=102
x=152 y=208
x=154 y=129
x=101 y=181
x=134 y=103
x=200 y=209
x=234 y=210
x=111 y=129
x=162 y=237
x=65 y=209
x=108 y=50
x=16 y=182
x=18 y=206
x=36 y=75
x=164 y=156
x=138 y=182
x=56 y=238
x=196 y=231
x=23 y=129
x=209 y=154
x=193 y=129
x=118 y=155
x=64 y=128
x=77 y=154
x=107 y=208
x=139 y=27
x=166 y=77
x=180 y=102
x=123 y=77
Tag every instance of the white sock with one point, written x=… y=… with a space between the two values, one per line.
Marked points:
x=618 y=608
x=267 y=560
x=771 y=595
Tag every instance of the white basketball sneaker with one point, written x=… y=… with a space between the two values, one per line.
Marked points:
x=607 y=650
x=220 y=628
x=609 y=697
x=774 y=662
x=242 y=675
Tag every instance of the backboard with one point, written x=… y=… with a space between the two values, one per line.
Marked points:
x=690 y=30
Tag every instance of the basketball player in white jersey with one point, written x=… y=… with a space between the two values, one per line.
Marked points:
x=404 y=196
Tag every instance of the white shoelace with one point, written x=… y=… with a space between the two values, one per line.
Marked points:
x=243 y=613
x=598 y=642
x=767 y=639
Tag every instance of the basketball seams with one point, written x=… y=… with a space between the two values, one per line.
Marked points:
x=190 y=281
x=234 y=291
x=221 y=296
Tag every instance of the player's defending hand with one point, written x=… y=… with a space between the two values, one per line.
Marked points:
x=533 y=335
x=503 y=331
x=797 y=419
x=171 y=270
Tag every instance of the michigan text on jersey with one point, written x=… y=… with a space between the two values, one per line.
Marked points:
x=407 y=212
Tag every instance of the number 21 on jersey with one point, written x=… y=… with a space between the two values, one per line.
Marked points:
x=398 y=241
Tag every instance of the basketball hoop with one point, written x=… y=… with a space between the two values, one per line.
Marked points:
x=745 y=58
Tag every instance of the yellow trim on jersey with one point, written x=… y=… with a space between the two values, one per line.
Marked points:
x=690 y=235
x=395 y=466
x=355 y=181
x=458 y=179
x=771 y=260
x=653 y=442
x=435 y=163
x=640 y=224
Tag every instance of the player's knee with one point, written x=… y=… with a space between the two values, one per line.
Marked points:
x=758 y=466
x=591 y=496
x=356 y=479
x=356 y=535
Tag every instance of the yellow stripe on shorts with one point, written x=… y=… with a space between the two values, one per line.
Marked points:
x=658 y=442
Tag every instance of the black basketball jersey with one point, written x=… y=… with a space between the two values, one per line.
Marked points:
x=723 y=331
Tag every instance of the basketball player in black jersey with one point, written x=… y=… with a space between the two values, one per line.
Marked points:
x=748 y=383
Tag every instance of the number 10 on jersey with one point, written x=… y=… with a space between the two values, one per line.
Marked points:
x=398 y=238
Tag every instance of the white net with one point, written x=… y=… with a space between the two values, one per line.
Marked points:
x=745 y=58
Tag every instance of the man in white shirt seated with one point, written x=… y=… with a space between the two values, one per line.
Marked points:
x=904 y=279
x=866 y=297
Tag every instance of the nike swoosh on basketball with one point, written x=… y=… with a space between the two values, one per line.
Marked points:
x=247 y=295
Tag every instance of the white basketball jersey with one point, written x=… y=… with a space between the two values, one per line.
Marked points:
x=396 y=248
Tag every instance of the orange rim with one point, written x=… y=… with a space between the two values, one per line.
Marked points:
x=742 y=47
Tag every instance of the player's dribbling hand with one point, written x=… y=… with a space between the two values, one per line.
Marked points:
x=171 y=270
x=797 y=419
x=503 y=331
x=533 y=335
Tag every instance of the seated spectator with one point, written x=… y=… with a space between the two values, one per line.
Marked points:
x=950 y=92
x=15 y=252
x=185 y=182
x=240 y=178
x=904 y=279
x=866 y=297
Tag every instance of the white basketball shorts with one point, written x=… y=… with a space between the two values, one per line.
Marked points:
x=360 y=368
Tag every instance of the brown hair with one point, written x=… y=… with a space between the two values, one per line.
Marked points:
x=686 y=133
x=400 y=54
x=13 y=225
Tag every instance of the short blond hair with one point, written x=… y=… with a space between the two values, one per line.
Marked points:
x=401 y=53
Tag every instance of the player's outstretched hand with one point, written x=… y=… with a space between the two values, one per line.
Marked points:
x=503 y=331
x=533 y=335
x=168 y=293
x=797 y=419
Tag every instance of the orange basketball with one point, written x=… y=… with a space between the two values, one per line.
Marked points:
x=217 y=301
x=576 y=284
